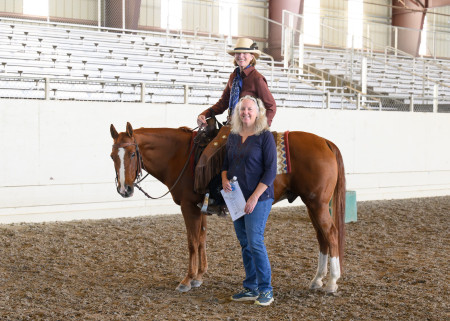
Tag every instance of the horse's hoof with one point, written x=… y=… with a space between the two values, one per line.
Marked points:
x=196 y=283
x=316 y=285
x=183 y=288
x=331 y=288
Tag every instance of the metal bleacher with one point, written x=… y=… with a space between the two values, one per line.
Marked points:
x=59 y=62
x=394 y=80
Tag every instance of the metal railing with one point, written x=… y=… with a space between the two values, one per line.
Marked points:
x=293 y=50
x=69 y=89
x=105 y=90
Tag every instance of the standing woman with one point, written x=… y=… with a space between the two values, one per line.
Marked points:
x=251 y=156
x=244 y=80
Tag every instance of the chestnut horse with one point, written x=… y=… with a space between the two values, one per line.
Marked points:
x=317 y=176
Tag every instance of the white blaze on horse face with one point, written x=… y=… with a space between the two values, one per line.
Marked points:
x=121 y=155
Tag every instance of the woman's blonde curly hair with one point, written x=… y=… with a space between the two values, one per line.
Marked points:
x=261 y=119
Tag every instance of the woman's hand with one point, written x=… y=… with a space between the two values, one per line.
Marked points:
x=226 y=185
x=253 y=199
x=250 y=205
x=201 y=121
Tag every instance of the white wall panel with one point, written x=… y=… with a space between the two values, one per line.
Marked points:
x=201 y=16
x=13 y=6
x=150 y=15
x=378 y=15
x=439 y=44
x=20 y=164
x=74 y=9
x=250 y=23
x=335 y=14
x=57 y=164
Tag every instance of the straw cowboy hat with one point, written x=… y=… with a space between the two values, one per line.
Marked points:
x=245 y=45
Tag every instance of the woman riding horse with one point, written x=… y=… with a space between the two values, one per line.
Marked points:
x=245 y=80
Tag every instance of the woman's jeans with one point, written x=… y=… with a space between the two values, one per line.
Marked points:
x=250 y=233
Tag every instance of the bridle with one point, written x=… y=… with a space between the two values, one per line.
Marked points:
x=140 y=163
x=140 y=166
x=139 y=159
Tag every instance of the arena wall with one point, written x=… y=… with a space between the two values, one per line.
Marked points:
x=74 y=9
x=14 y=6
x=55 y=162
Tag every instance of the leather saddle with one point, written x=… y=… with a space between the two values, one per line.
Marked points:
x=209 y=163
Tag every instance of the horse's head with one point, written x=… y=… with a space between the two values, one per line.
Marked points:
x=127 y=160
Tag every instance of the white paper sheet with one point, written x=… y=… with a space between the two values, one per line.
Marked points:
x=235 y=202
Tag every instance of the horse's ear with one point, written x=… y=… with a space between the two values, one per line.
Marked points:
x=129 y=130
x=114 y=133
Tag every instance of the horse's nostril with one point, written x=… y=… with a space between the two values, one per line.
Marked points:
x=129 y=189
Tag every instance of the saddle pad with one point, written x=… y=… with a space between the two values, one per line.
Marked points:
x=283 y=158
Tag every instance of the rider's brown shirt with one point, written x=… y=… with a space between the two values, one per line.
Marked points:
x=253 y=84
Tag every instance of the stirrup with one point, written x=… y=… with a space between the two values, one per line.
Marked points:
x=210 y=209
x=204 y=207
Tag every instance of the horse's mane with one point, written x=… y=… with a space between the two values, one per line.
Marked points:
x=186 y=129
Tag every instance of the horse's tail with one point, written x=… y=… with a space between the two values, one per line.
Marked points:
x=338 y=202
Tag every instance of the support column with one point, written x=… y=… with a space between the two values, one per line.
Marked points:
x=276 y=8
x=408 y=40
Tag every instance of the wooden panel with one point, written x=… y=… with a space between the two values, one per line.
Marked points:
x=189 y=16
x=378 y=8
x=440 y=23
x=379 y=34
x=198 y=15
x=74 y=9
x=378 y=16
x=215 y=19
x=13 y=6
x=249 y=24
x=150 y=13
x=335 y=33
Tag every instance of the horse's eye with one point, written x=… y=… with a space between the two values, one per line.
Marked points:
x=133 y=154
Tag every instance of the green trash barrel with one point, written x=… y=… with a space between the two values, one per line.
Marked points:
x=351 y=213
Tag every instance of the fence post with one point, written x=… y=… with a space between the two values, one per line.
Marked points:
x=46 y=89
x=322 y=32
x=435 y=98
x=411 y=103
x=48 y=12
x=99 y=14
x=123 y=15
x=142 y=92
x=288 y=32
x=358 y=101
x=395 y=40
x=301 y=50
x=364 y=75
x=328 y=96
x=186 y=94
x=351 y=57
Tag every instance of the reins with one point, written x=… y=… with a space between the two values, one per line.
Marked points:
x=174 y=184
x=140 y=163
